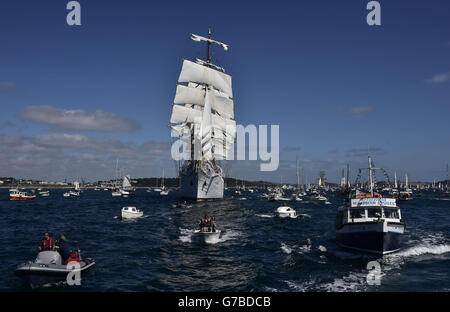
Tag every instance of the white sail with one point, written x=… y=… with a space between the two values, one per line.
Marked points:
x=220 y=102
x=192 y=72
x=126 y=181
x=205 y=127
x=183 y=114
x=77 y=185
x=200 y=38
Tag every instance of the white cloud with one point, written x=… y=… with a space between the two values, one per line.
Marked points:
x=62 y=155
x=439 y=78
x=80 y=120
x=7 y=85
x=361 y=111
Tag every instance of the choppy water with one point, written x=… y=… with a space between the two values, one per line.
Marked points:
x=256 y=252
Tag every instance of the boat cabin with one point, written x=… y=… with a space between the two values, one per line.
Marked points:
x=369 y=210
x=130 y=209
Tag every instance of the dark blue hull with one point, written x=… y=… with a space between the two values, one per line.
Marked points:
x=374 y=242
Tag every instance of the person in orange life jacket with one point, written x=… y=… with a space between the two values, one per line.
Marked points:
x=47 y=243
x=65 y=247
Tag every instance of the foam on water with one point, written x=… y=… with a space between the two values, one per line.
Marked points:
x=264 y=216
x=186 y=235
x=286 y=249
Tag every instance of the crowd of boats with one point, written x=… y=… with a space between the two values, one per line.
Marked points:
x=368 y=220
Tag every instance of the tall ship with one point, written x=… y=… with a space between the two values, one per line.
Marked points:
x=370 y=223
x=203 y=119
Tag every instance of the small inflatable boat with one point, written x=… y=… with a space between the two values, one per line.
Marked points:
x=48 y=268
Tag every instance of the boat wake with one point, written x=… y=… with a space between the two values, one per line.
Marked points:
x=306 y=248
x=286 y=249
x=186 y=236
x=264 y=216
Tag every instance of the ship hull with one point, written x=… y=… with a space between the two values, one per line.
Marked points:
x=199 y=186
x=372 y=237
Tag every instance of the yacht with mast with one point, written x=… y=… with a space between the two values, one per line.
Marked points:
x=370 y=223
x=203 y=119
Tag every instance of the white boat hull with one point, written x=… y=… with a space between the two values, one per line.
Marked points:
x=206 y=237
x=131 y=215
x=199 y=186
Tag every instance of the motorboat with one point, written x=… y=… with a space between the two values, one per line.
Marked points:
x=164 y=192
x=286 y=212
x=48 y=268
x=370 y=223
x=21 y=195
x=296 y=197
x=131 y=213
x=404 y=195
x=316 y=197
x=116 y=192
x=44 y=193
x=72 y=193
x=208 y=237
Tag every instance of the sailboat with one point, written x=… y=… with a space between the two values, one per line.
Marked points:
x=202 y=117
x=115 y=191
x=163 y=191
x=75 y=192
x=406 y=194
x=447 y=192
x=296 y=194
x=127 y=189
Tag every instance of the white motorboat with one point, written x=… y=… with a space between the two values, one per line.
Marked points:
x=164 y=192
x=316 y=197
x=71 y=194
x=116 y=192
x=44 y=193
x=131 y=213
x=286 y=212
x=206 y=237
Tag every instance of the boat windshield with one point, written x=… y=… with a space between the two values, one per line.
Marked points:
x=374 y=213
x=357 y=213
x=391 y=213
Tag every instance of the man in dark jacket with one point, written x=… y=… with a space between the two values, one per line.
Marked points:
x=65 y=247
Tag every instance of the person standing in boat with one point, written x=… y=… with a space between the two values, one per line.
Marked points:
x=213 y=224
x=207 y=223
x=201 y=225
x=46 y=243
x=65 y=247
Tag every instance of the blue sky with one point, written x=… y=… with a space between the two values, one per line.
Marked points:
x=334 y=85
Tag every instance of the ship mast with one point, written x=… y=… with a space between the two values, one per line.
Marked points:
x=208 y=60
x=371 y=176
